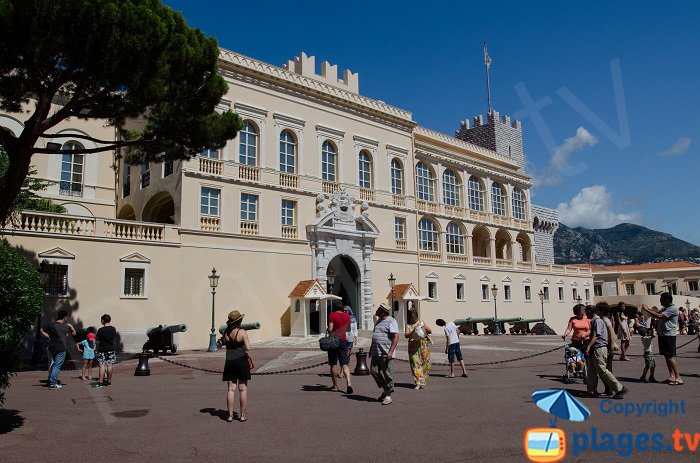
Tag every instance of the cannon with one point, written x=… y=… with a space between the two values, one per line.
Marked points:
x=491 y=329
x=160 y=338
x=470 y=325
x=244 y=326
x=523 y=326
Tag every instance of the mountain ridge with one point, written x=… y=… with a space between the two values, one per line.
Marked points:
x=622 y=244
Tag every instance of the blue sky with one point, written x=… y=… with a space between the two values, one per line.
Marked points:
x=613 y=130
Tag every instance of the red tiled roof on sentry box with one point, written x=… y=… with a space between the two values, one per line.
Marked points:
x=301 y=288
x=653 y=266
x=399 y=291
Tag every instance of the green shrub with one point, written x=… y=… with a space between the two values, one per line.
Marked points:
x=21 y=298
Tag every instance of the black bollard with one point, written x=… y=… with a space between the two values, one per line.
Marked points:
x=142 y=369
x=361 y=367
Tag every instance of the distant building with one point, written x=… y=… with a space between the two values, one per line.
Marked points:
x=321 y=181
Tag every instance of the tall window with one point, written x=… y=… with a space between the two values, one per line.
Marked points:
x=528 y=293
x=574 y=294
x=455 y=239
x=71 y=170
x=209 y=204
x=249 y=207
x=364 y=170
x=460 y=291
x=588 y=294
x=425 y=182
x=450 y=188
x=126 y=187
x=506 y=293
x=561 y=293
x=484 y=292
x=57 y=280
x=145 y=174
x=248 y=144
x=498 y=199
x=211 y=153
x=396 y=177
x=476 y=198
x=134 y=282
x=545 y=291
x=288 y=150
x=328 y=155
x=399 y=228
x=518 y=204
x=288 y=212
x=651 y=289
x=428 y=236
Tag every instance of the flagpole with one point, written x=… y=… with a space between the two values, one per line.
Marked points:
x=488 y=80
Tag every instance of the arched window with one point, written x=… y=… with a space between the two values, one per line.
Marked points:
x=425 y=182
x=518 y=204
x=396 y=177
x=211 y=153
x=71 y=170
x=248 y=144
x=328 y=155
x=454 y=238
x=288 y=152
x=428 y=236
x=498 y=199
x=364 y=170
x=450 y=188
x=476 y=197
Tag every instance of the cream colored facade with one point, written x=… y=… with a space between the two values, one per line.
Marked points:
x=141 y=241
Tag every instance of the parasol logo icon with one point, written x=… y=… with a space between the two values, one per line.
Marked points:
x=548 y=445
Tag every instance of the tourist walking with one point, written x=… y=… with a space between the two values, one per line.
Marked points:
x=623 y=330
x=106 y=350
x=666 y=328
x=385 y=337
x=452 y=348
x=598 y=350
x=418 y=334
x=58 y=333
x=605 y=313
x=351 y=334
x=649 y=362
x=237 y=366
x=580 y=328
x=338 y=326
x=87 y=348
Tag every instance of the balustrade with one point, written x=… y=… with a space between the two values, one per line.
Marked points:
x=289 y=232
x=249 y=228
x=289 y=180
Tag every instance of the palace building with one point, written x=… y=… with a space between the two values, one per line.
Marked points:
x=321 y=182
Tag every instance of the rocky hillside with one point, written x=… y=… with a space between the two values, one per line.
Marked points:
x=622 y=244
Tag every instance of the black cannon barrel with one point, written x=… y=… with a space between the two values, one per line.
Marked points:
x=181 y=328
x=244 y=326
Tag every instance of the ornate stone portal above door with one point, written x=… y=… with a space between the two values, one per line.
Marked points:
x=339 y=231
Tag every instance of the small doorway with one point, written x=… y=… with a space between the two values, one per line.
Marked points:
x=346 y=283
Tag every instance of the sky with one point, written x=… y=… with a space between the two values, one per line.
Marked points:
x=608 y=92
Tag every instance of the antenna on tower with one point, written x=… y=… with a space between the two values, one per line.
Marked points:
x=487 y=65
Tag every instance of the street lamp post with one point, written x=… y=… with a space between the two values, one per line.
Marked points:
x=497 y=326
x=541 y=295
x=213 y=282
x=392 y=282
x=578 y=300
x=330 y=277
x=37 y=353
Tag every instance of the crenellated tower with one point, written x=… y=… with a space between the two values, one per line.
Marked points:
x=503 y=136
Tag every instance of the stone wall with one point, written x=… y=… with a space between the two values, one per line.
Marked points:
x=545 y=222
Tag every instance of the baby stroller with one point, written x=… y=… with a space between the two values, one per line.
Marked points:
x=574 y=360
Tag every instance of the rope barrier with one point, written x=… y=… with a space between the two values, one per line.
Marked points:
x=309 y=367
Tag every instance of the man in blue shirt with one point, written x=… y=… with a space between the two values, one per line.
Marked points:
x=666 y=330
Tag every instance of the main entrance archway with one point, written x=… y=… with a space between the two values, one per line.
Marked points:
x=344 y=240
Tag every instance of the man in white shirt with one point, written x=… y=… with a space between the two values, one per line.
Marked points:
x=452 y=348
x=666 y=329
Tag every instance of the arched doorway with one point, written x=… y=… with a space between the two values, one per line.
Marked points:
x=346 y=283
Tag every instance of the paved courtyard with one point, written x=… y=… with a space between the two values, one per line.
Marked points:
x=178 y=414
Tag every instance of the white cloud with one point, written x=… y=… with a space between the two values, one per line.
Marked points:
x=678 y=148
x=559 y=164
x=592 y=208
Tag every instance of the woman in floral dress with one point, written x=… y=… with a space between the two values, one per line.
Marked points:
x=418 y=333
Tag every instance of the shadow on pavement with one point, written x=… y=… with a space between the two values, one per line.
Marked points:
x=315 y=388
x=405 y=385
x=360 y=398
x=10 y=420
x=221 y=414
x=555 y=378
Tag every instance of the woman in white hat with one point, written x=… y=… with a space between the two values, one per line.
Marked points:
x=237 y=368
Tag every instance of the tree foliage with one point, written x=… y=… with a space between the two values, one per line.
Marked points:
x=21 y=297
x=27 y=199
x=111 y=60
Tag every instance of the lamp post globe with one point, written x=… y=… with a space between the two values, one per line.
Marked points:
x=496 y=324
x=213 y=283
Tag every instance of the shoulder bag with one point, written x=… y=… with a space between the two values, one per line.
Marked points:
x=329 y=342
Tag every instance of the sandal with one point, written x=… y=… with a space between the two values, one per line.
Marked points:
x=450 y=376
x=333 y=389
x=230 y=419
x=243 y=418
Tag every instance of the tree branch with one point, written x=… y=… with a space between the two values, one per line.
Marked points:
x=102 y=149
x=82 y=137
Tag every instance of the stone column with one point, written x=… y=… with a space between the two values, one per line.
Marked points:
x=514 y=255
x=493 y=251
